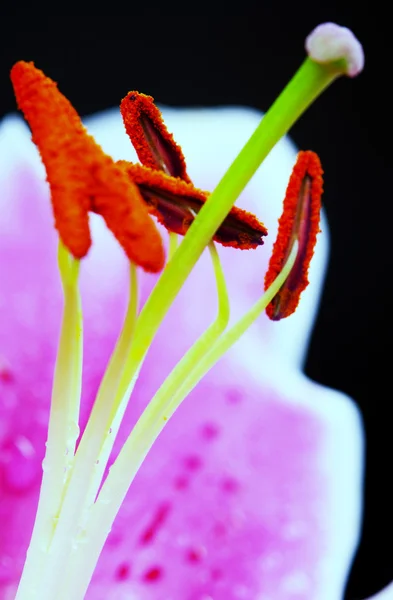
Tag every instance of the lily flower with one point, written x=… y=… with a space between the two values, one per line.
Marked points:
x=253 y=488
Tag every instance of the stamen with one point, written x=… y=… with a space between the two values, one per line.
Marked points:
x=170 y=199
x=154 y=145
x=230 y=337
x=175 y=203
x=109 y=383
x=95 y=445
x=142 y=437
x=81 y=177
x=299 y=221
x=63 y=425
x=307 y=84
x=149 y=426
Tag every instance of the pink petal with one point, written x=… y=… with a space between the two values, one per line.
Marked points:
x=253 y=490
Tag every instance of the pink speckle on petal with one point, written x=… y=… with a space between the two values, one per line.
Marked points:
x=157 y=522
x=195 y=555
x=6 y=375
x=152 y=575
x=230 y=485
x=193 y=462
x=180 y=483
x=234 y=396
x=210 y=431
x=216 y=574
x=123 y=572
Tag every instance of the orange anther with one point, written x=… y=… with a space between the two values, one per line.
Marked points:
x=299 y=221
x=81 y=176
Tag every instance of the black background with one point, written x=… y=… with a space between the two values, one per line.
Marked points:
x=247 y=59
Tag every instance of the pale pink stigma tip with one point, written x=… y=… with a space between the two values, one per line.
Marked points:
x=330 y=42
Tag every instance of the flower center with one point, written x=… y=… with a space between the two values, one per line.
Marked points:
x=77 y=507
